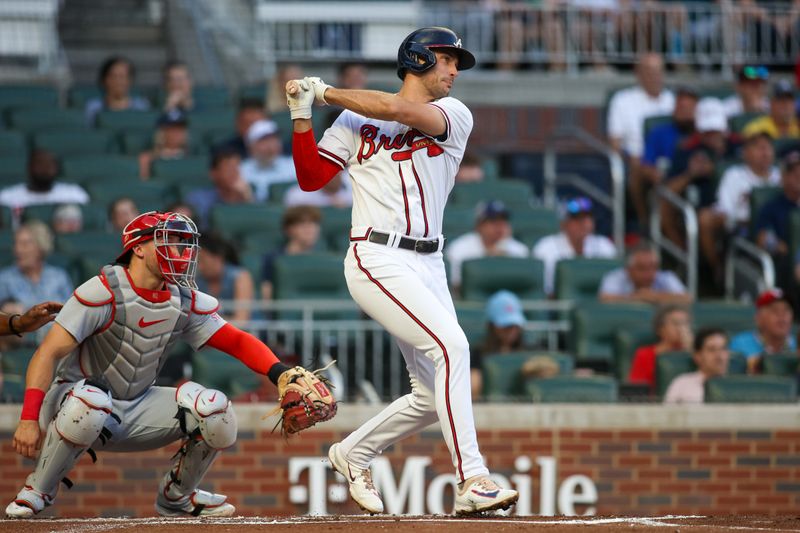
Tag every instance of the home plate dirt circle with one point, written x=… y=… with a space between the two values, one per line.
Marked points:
x=402 y=524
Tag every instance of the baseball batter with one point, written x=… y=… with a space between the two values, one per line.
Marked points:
x=109 y=342
x=402 y=152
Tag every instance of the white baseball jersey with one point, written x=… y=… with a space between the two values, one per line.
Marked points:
x=401 y=177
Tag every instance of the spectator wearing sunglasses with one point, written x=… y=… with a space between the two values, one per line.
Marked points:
x=641 y=280
x=751 y=92
x=781 y=123
x=576 y=239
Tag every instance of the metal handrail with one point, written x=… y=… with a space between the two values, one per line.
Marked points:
x=688 y=257
x=614 y=201
x=764 y=279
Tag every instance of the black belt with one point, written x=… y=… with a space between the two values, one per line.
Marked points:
x=406 y=243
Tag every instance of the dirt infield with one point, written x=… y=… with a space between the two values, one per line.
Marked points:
x=396 y=524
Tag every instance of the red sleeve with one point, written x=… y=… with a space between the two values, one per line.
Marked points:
x=643 y=369
x=244 y=347
x=313 y=170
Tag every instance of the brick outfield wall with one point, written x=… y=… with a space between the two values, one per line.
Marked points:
x=636 y=472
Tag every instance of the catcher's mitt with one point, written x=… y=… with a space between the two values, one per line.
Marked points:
x=303 y=404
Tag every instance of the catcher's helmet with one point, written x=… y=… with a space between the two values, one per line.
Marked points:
x=416 y=51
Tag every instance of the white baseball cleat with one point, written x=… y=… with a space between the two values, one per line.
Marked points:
x=200 y=503
x=480 y=494
x=362 y=490
x=27 y=503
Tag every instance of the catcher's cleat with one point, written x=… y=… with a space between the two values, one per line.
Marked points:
x=200 y=503
x=27 y=503
x=480 y=494
x=362 y=490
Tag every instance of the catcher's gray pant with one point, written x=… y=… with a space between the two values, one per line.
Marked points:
x=145 y=423
x=407 y=293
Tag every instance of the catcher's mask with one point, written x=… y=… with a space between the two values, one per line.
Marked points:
x=175 y=237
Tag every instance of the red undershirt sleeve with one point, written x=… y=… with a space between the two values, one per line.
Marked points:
x=244 y=347
x=313 y=170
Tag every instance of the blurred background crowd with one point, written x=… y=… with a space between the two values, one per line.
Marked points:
x=653 y=255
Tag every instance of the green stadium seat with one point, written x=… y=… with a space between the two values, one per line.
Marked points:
x=119 y=121
x=95 y=217
x=207 y=96
x=758 y=197
x=457 y=221
x=670 y=365
x=15 y=362
x=473 y=321
x=235 y=221
x=253 y=92
x=783 y=146
x=212 y=138
x=737 y=364
x=277 y=191
x=285 y=127
x=335 y=226
x=654 y=122
x=594 y=325
x=794 y=234
x=186 y=170
x=98 y=167
x=218 y=370
x=201 y=122
x=580 y=278
x=751 y=389
x=737 y=123
x=90 y=263
x=13 y=143
x=134 y=142
x=148 y=196
x=480 y=278
x=626 y=341
x=43 y=213
x=532 y=223
x=311 y=276
x=491 y=169
x=732 y=317
x=515 y=194
x=30 y=120
x=88 y=242
x=6 y=238
x=783 y=364
x=570 y=389
x=502 y=378
x=13 y=168
x=78 y=95
x=28 y=96
x=262 y=242
x=76 y=142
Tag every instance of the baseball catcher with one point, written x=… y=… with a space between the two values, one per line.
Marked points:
x=107 y=345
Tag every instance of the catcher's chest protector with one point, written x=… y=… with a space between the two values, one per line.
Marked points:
x=127 y=355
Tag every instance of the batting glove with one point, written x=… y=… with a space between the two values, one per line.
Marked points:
x=319 y=88
x=299 y=98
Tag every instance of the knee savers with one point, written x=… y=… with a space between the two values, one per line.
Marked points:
x=83 y=414
x=210 y=411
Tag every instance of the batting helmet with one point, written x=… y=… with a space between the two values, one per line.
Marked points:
x=416 y=51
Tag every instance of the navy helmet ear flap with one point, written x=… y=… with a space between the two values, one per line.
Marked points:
x=416 y=58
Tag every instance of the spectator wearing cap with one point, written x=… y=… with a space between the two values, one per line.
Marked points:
x=470 y=170
x=178 y=87
x=492 y=237
x=576 y=239
x=336 y=193
x=731 y=212
x=170 y=140
x=504 y=321
x=67 y=218
x=772 y=221
x=672 y=325
x=659 y=148
x=115 y=79
x=751 y=92
x=641 y=280
x=121 y=211
x=251 y=110
x=42 y=186
x=711 y=355
x=773 y=331
x=266 y=164
x=693 y=171
x=228 y=187
x=781 y=123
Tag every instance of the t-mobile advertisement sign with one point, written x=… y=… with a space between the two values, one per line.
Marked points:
x=413 y=493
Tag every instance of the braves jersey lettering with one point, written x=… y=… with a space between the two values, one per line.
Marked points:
x=368 y=148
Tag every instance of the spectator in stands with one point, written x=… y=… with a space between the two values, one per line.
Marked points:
x=751 y=92
x=629 y=108
x=182 y=208
x=31 y=280
x=672 y=325
x=642 y=281
x=301 y=228
x=67 y=218
x=773 y=332
x=220 y=276
x=336 y=193
x=178 y=86
x=576 y=239
x=781 y=123
x=492 y=237
x=42 y=186
x=120 y=212
x=115 y=79
x=504 y=321
x=228 y=186
x=693 y=171
x=711 y=356
x=10 y=307
x=266 y=164
x=731 y=212
x=276 y=90
x=170 y=141
x=470 y=170
x=250 y=112
x=772 y=221
x=352 y=76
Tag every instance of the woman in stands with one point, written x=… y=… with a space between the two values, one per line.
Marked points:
x=115 y=80
x=672 y=325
